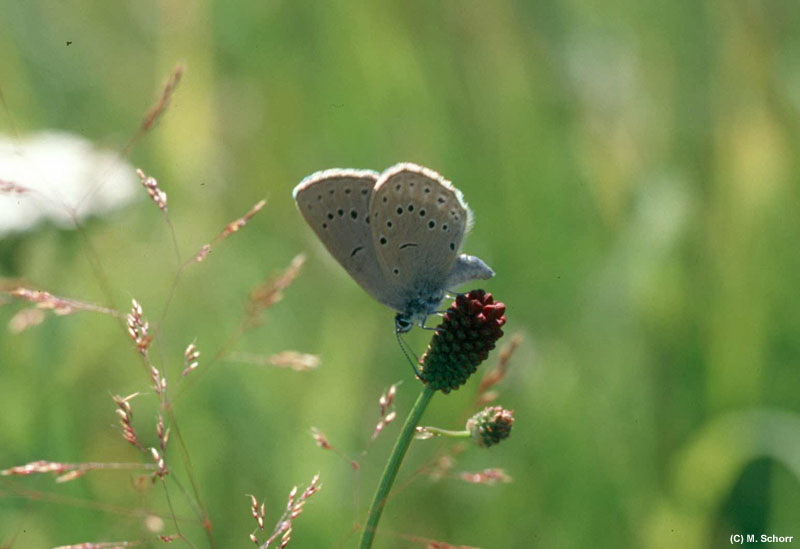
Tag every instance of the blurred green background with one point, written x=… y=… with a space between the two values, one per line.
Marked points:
x=633 y=167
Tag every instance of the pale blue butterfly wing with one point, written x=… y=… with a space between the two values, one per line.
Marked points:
x=419 y=221
x=398 y=234
x=335 y=203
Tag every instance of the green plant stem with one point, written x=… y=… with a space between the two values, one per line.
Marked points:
x=393 y=465
x=447 y=432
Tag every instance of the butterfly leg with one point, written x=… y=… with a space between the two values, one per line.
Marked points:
x=406 y=350
x=422 y=324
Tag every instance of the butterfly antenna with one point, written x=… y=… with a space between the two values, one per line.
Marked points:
x=406 y=350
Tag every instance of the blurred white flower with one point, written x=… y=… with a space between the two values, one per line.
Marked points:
x=61 y=178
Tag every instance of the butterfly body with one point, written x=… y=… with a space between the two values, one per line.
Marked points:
x=397 y=233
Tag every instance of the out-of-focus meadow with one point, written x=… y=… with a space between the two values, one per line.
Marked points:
x=633 y=168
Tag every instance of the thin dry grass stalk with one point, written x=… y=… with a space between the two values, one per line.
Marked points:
x=153 y=190
x=269 y=293
x=495 y=375
x=157 y=110
x=229 y=229
x=59 y=305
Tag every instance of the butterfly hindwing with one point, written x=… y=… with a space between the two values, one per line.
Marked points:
x=418 y=224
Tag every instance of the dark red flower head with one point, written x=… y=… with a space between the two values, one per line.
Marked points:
x=469 y=330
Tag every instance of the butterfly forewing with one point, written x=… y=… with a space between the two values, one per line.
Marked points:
x=335 y=203
x=418 y=223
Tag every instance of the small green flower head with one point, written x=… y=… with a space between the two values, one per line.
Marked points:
x=469 y=330
x=491 y=425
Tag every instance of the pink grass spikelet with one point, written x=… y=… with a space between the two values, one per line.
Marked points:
x=258 y=513
x=66 y=472
x=37 y=467
x=488 y=477
x=71 y=475
x=138 y=328
x=320 y=439
x=161 y=465
x=294 y=507
x=322 y=442
x=59 y=305
x=201 y=255
x=299 y=362
x=162 y=433
x=102 y=545
x=229 y=229
x=159 y=381
x=497 y=373
x=125 y=413
x=270 y=292
x=293 y=360
x=386 y=401
x=191 y=358
x=237 y=224
x=153 y=190
x=24 y=319
x=9 y=187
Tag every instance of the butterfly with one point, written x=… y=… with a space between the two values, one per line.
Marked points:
x=397 y=233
